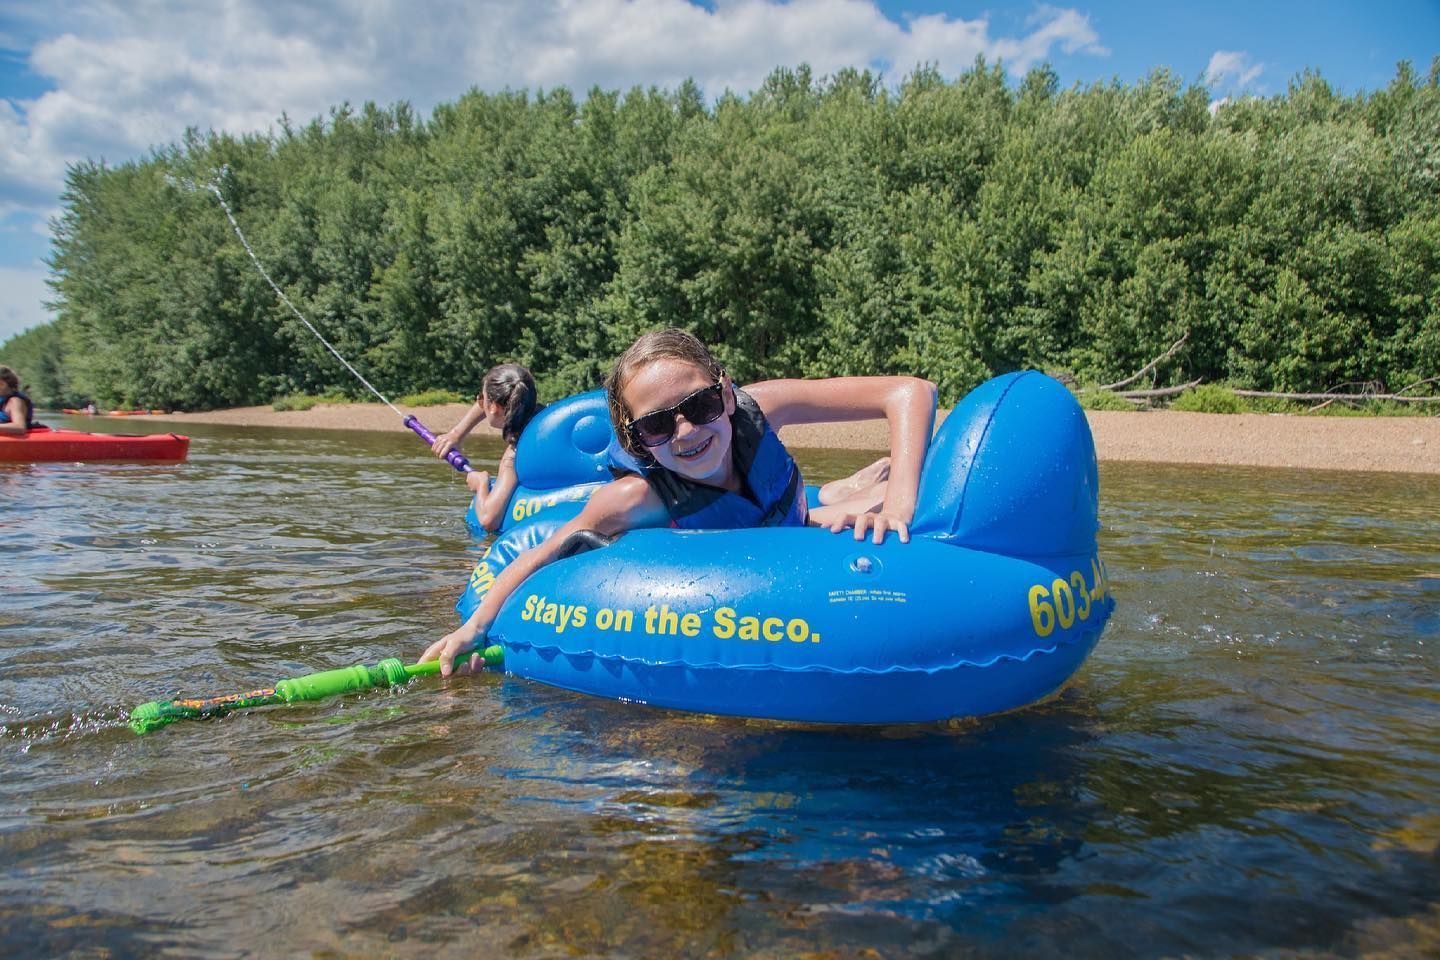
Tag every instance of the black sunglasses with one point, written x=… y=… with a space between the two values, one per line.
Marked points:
x=701 y=407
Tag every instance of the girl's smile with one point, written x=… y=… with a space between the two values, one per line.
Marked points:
x=697 y=451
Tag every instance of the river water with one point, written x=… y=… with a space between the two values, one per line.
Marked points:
x=1248 y=764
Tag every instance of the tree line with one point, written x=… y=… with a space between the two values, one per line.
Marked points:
x=952 y=229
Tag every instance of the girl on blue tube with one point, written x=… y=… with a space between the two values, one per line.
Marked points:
x=703 y=454
x=507 y=401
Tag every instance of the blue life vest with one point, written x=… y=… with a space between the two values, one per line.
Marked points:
x=29 y=410
x=770 y=475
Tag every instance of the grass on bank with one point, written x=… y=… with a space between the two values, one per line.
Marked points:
x=1217 y=398
x=433 y=398
x=1206 y=398
x=304 y=401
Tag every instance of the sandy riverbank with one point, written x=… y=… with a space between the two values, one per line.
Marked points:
x=1386 y=444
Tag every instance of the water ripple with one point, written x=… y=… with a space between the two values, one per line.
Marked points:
x=1247 y=764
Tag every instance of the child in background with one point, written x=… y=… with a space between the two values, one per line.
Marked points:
x=507 y=402
x=708 y=456
x=17 y=413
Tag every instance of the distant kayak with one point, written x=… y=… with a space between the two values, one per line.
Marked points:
x=111 y=413
x=46 y=445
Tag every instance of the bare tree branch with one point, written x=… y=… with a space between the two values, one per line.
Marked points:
x=1147 y=368
x=1331 y=397
x=1418 y=383
x=1158 y=392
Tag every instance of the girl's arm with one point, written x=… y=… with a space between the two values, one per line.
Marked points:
x=492 y=508
x=451 y=438
x=623 y=505
x=15 y=407
x=907 y=403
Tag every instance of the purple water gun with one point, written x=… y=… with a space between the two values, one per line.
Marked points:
x=453 y=456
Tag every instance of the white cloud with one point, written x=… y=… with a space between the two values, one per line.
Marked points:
x=1233 y=69
x=130 y=75
x=126 y=76
x=22 y=297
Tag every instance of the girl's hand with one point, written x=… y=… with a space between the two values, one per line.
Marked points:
x=458 y=652
x=878 y=523
x=478 y=481
x=445 y=443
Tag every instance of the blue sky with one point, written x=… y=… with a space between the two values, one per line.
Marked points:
x=112 y=78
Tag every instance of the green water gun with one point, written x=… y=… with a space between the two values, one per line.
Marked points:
x=312 y=686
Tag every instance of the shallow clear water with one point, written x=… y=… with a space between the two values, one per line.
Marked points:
x=1248 y=764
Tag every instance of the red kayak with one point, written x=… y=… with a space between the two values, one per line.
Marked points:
x=46 y=445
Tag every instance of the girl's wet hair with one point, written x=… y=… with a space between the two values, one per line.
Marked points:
x=10 y=379
x=671 y=344
x=511 y=386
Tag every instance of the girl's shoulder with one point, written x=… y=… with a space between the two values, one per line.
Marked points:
x=630 y=490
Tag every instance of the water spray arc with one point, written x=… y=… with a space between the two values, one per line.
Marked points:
x=454 y=457
x=315 y=686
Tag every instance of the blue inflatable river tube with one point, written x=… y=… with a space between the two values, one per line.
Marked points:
x=995 y=603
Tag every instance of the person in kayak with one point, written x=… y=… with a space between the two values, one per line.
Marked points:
x=702 y=452
x=17 y=412
x=507 y=401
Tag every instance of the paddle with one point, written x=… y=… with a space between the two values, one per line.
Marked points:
x=312 y=686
